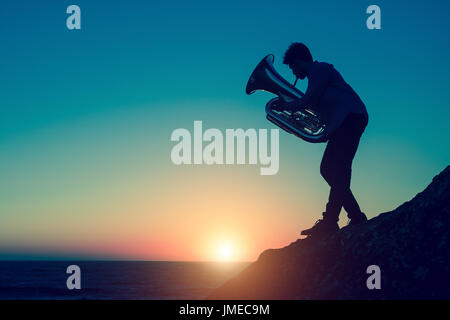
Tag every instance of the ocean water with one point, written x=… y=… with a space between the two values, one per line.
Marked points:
x=114 y=279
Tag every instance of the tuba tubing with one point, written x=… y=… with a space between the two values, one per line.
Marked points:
x=305 y=123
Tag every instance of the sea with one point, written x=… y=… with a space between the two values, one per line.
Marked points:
x=117 y=280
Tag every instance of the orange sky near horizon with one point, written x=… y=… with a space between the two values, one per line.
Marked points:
x=188 y=215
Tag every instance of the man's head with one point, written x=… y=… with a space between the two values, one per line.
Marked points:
x=298 y=58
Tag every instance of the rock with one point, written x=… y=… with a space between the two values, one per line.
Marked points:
x=410 y=245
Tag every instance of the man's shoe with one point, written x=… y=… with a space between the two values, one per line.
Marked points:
x=321 y=227
x=360 y=218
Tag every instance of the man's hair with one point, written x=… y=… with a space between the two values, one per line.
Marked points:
x=297 y=51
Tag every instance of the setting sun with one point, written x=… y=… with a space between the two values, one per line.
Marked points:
x=225 y=252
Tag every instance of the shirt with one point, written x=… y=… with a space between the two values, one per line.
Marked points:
x=330 y=95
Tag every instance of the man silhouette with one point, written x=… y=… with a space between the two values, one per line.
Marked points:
x=327 y=92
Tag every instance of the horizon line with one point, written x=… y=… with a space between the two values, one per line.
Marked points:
x=116 y=260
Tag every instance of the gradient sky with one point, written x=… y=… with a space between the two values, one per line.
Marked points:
x=86 y=118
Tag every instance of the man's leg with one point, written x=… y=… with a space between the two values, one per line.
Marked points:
x=350 y=204
x=328 y=224
x=340 y=193
x=336 y=168
x=328 y=169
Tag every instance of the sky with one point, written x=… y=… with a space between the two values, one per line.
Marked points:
x=86 y=118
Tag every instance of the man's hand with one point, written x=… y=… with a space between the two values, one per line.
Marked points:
x=293 y=105
x=288 y=106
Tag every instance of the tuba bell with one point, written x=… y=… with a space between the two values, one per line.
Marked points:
x=304 y=123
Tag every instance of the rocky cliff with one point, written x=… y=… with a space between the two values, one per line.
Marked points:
x=409 y=244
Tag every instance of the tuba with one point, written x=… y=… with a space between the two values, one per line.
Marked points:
x=304 y=123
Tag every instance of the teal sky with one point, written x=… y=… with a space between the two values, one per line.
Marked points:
x=86 y=115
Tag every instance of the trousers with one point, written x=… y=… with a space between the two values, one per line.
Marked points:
x=336 y=166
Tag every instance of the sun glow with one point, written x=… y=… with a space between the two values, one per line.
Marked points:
x=225 y=252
